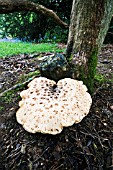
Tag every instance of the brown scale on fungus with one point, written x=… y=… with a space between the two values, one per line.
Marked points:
x=47 y=107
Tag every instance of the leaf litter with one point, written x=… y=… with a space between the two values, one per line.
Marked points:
x=87 y=145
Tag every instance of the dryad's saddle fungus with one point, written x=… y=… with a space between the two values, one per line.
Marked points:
x=47 y=106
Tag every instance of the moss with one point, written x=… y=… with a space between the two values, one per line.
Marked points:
x=69 y=50
x=87 y=76
x=11 y=94
x=92 y=64
x=8 y=96
x=27 y=76
x=70 y=59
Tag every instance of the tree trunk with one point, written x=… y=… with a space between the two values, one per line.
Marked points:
x=8 y=6
x=90 y=21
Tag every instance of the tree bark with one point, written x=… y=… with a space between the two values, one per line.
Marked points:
x=90 y=21
x=9 y=6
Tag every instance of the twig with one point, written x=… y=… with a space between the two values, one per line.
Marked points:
x=110 y=33
x=97 y=90
x=16 y=86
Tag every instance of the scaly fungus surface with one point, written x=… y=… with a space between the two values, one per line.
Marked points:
x=47 y=106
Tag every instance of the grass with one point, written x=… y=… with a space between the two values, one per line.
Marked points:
x=11 y=48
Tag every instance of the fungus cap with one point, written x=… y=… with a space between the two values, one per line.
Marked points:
x=47 y=107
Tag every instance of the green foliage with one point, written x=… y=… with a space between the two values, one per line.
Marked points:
x=29 y=26
x=54 y=36
x=9 y=48
x=99 y=78
x=23 y=25
x=1 y=108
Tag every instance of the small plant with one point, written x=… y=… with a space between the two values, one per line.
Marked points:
x=99 y=78
x=1 y=108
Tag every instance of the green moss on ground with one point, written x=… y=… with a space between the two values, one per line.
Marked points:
x=8 y=96
x=25 y=77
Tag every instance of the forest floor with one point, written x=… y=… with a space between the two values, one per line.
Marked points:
x=84 y=146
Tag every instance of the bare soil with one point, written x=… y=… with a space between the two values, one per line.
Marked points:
x=84 y=146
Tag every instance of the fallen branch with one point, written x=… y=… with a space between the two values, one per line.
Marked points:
x=17 y=86
x=9 y=6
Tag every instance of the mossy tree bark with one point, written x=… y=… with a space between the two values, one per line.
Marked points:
x=89 y=24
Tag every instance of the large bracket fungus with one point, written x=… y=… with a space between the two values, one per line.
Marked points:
x=47 y=106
